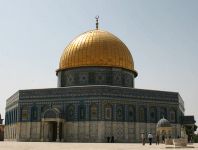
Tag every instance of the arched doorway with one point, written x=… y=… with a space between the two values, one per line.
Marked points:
x=52 y=126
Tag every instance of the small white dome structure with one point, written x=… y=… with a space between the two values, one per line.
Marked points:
x=164 y=128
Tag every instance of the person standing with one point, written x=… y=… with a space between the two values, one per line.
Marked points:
x=157 y=139
x=163 y=138
x=143 y=138
x=108 y=139
x=150 y=137
x=112 y=139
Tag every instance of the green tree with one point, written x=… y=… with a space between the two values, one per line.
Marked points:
x=195 y=138
x=191 y=133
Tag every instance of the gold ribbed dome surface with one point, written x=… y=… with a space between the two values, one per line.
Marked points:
x=96 y=48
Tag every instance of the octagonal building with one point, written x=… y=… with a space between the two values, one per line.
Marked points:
x=96 y=98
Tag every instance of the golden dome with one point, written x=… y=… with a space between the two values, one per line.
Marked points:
x=96 y=48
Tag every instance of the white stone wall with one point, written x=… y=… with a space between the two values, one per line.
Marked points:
x=10 y=132
x=35 y=132
x=24 y=131
x=98 y=131
x=85 y=131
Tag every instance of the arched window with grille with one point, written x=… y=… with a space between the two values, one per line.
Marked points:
x=34 y=113
x=163 y=112
x=94 y=112
x=142 y=114
x=131 y=113
x=108 y=112
x=172 y=116
x=153 y=114
x=82 y=112
x=71 y=112
x=24 y=113
x=119 y=113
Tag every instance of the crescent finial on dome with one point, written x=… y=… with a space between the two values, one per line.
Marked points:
x=97 y=17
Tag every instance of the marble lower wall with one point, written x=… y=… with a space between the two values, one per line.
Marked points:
x=85 y=131
x=10 y=132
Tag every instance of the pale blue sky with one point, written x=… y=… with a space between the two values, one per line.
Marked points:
x=162 y=37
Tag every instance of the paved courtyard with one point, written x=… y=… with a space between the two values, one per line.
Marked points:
x=84 y=146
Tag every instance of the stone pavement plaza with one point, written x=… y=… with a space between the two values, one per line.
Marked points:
x=84 y=146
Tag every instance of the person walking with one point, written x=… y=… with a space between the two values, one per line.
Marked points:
x=143 y=138
x=157 y=139
x=150 y=137
x=163 y=138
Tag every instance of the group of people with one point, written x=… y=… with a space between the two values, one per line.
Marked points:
x=143 y=137
x=150 y=139
x=110 y=139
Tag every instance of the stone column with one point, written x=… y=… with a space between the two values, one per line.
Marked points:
x=46 y=131
x=42 y=131
x=57 y=136
x=62 y=137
